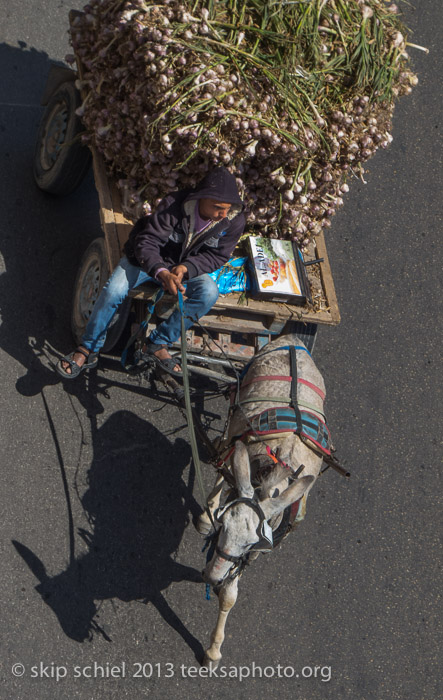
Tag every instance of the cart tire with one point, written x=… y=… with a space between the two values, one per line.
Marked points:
x=93 y=273
x=60 y=160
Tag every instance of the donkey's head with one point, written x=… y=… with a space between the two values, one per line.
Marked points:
x=244 y=521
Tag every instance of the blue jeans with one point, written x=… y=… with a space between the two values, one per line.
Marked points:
x=201 y=292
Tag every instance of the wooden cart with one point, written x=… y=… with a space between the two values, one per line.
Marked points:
x=238 y=327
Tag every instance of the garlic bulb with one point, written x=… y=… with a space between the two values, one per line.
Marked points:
x=165 y=99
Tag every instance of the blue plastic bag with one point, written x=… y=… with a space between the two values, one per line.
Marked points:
x=232 y=277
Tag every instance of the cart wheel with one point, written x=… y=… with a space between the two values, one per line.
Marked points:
x=60 y=160
x=92 y=275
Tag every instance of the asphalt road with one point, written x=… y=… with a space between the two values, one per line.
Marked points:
x=99 y=559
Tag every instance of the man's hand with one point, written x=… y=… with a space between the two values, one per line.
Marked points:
x=172 y=280
x=180 y=271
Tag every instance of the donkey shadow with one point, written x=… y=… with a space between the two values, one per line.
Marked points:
x=137 y=505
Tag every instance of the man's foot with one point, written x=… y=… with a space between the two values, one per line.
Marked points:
x=163 y=354
x=79 y=359
x=72 y=365
x=162 y=357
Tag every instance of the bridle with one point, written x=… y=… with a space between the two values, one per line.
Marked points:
x=264 y=532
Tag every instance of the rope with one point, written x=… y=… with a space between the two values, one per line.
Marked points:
x=194 y=447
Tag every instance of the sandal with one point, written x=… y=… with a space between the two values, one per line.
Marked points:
x=91 y=362
x=167 y=365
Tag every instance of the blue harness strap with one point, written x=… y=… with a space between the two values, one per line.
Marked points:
x=284 y=419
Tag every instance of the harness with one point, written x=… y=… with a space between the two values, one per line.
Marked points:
x=301 y=423
x=283 y=419
x=304 y=422
x=296 y=417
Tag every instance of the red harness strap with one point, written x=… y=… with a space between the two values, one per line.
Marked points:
x=280 y=378
x=224 y=459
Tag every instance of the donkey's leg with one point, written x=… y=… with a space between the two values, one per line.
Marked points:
x=226 y=600
x=203 y=524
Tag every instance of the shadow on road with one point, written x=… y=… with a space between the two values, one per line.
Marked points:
x=137 y=502
x=137 y=506
x=42 y=236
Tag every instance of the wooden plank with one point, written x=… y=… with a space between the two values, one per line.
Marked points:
x=327 y=281
x=124 y=225
x=275 y=309
x=235 y=325
x=106 y=210
x=255 y=324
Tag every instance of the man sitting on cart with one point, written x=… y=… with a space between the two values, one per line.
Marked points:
x=192 y=233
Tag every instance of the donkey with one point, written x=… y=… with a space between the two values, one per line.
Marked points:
x=275 y=445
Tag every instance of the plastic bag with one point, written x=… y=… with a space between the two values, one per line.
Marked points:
x=232 y=277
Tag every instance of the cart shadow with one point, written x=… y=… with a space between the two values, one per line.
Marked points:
x=92 y=388
x=43 y=237
x=136 y=504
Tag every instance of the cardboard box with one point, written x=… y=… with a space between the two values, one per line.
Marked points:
x=277 y=270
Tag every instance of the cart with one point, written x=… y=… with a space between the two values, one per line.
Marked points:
x=234 y=330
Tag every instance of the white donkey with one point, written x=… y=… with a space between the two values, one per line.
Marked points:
x=262 y=434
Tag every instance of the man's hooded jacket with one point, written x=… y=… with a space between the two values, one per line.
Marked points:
x=167 y=237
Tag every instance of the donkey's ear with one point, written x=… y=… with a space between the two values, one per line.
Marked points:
x=273 y=506
x=242 y=471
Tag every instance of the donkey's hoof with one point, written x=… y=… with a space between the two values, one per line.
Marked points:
x=210 y=663
x=203 y=524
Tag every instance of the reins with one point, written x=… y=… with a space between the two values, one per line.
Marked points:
x=187 y=397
